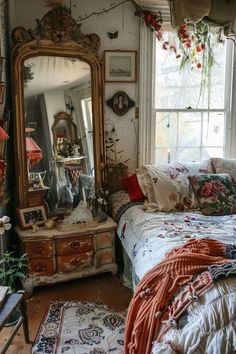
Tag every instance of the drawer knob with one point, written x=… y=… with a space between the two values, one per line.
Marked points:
x=74 y=244
x=39 y=249
x=75 y=261
x=40 y=267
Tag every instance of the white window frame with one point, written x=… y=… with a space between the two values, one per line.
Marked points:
x=147 y=111
x=80 y=95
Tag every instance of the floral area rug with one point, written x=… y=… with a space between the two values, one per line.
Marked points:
x=80 y=328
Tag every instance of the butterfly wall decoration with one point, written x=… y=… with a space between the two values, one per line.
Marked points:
x=113 y=35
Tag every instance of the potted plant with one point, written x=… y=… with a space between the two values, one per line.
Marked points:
x=12 y=268
x=115 y=169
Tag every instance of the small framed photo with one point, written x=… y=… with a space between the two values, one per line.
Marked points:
x=120 y=103
x=31 y=216
x=120 y=66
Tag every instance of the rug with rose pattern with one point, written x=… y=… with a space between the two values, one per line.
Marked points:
x=80 y=328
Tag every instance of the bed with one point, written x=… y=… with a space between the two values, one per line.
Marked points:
x=167 y=213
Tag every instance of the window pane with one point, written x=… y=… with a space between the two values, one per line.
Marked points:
x=178 y=89
x=189 y=129
x=166 y=127
x=213 y=129
x=189 y=154
x=212 y=152
x=165 y=155
x=188 y=136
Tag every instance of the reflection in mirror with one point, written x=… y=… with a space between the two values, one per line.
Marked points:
x=59 y=129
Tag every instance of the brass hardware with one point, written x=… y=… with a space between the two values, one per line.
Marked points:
x=39 y=249
x=74 y=245
x=75 y=262
x=40 y=267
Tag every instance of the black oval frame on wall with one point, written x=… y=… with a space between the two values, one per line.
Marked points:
x=120 y=103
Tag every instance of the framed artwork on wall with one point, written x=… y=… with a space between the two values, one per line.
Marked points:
x=120 y=103
x=120 y=66
x=30 y=216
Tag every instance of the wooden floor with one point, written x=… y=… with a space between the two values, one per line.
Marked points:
x=106 y=288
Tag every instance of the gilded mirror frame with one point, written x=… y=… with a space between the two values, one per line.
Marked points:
x=57 y=34
x=72 y=127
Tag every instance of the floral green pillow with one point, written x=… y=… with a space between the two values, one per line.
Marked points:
x=215 y=193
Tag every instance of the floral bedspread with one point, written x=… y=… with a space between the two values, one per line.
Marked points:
x=147 y=237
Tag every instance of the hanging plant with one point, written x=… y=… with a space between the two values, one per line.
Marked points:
x=196 y=50
x=154 y=22
x=194 y=47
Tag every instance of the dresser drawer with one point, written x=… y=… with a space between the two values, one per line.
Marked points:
x=74 y=245
x=39 y=249
x=75 y=261
x=104 y=240
x=40 y=266
x=104 y=256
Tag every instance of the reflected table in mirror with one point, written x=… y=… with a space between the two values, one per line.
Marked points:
x=68 y=184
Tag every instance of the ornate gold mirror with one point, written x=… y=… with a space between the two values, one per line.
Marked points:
x=58 y=100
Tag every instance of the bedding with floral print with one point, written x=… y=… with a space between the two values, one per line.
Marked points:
x=166 y=186
x=215 y=193
x=223 y=165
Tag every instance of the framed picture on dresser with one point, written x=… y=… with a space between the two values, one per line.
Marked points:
x=31 y=216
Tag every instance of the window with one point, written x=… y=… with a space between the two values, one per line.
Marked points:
x=83 y=109
x=86 y=104
x=186 y=125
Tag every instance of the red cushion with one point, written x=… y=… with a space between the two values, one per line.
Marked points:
x=132 y=186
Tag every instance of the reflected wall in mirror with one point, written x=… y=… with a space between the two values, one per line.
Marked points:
x=55 y=99
x=58 y=89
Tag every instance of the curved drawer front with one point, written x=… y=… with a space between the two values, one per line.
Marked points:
x=43 y=266
x=39 y=249
x=75 y=261
x=104 y=256
x=73 y=245
x=104 y=239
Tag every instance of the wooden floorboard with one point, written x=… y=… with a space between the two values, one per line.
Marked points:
x=106 y=288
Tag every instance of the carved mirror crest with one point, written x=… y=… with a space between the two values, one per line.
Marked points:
x=58 y=104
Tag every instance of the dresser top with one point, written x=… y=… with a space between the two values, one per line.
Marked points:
x=45 y=234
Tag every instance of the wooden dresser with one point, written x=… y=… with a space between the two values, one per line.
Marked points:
x=56 y=256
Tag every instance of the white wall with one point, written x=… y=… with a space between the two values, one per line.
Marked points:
x=122 y=19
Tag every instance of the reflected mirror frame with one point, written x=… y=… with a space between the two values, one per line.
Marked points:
x=74 y=139
x=29 y=44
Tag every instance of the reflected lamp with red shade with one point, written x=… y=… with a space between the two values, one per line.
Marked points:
x=33 y=152
x=3 y=134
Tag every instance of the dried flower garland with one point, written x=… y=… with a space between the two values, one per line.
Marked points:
x=194 y=47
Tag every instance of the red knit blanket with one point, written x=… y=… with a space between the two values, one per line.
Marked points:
x=148 y=307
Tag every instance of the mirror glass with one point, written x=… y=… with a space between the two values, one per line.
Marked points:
x=59 y=129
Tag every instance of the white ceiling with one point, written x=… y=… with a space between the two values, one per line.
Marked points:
x=52 y=73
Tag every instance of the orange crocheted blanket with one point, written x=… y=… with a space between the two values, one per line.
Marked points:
x=153 y=294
